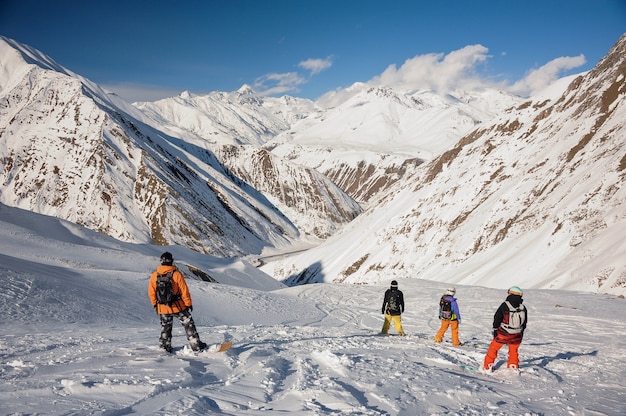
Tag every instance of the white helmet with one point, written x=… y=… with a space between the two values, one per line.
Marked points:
x=450 y=291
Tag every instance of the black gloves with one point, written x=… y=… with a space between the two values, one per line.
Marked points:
x=156 y=309
x=190 y=308
x=495 y=332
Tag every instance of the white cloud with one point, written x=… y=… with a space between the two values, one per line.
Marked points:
x=540 y=78
x=436 y=71
x=459 y=69
x=277 y=83
x=271 y=84
x=316 y=65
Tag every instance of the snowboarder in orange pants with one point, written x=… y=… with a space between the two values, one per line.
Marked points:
x=509 y=323
x=450 y=316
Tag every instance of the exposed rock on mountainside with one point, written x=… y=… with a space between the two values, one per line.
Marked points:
x=310 y=199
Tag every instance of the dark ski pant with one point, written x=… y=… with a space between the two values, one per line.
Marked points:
x=185 y=318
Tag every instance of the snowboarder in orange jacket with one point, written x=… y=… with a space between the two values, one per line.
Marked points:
x=180 y=307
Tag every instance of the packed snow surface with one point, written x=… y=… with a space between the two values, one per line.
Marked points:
x=78 y=336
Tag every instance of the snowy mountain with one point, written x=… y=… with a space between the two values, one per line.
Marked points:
x=364 y=139
x=71 y=150
x=79 y=337
x=241 y=117
x=455 y=185
x=377 y=136
x=535 y=197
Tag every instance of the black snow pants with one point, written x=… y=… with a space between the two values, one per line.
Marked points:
x=190 y=329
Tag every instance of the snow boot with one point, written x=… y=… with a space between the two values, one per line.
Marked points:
x=200 y=346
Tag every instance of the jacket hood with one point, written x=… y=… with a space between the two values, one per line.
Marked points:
x=515 y=300
x=163 y=268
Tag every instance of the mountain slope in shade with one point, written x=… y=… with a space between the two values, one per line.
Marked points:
x=535 y=198
x=72 y=151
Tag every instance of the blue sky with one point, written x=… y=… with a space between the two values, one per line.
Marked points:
x=145 y=50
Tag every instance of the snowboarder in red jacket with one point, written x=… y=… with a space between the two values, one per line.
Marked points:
x=509 y=323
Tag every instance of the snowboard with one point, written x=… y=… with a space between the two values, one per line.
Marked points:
x=209 y=349
x=504 y=374
x=472 y=369
x=224 y=346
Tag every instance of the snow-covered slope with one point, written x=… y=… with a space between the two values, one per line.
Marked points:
x=535 y=197
x=79 y=337
x=71 y=150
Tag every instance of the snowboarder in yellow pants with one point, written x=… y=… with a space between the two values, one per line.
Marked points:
x=393 y=306
x=397 y=323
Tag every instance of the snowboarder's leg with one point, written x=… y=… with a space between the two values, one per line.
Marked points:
x=397 y=323
x=165 y=340
x=513 y=356
x=386 y=324
x=455 y=332
x=492 y=354
x=190 y=330
x=442 y=330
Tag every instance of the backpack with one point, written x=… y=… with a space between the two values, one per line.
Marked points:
x=517 y=319
x=164 y=289
x=445 y=309
x=394 y=304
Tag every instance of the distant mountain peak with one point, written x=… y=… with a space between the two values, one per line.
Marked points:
x=246 y=89
x=185 y=95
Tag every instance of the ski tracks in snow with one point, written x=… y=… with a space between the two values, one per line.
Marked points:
x=314 y=350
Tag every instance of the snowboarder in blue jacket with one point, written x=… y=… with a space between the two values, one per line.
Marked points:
x=450 y=316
